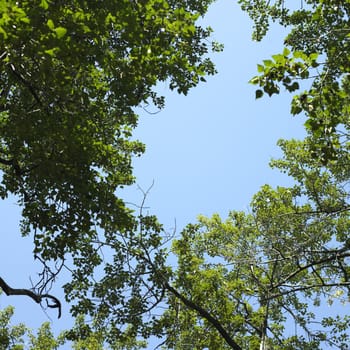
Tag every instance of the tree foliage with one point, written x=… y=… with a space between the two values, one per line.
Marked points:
x=71 y=76
x=67 y=101
x=261 y=274
x=20 y=337
x=315 y=57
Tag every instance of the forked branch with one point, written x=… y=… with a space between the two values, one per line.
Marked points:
x=38 y=298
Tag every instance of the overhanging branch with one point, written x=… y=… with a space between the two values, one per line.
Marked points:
x=38 y=298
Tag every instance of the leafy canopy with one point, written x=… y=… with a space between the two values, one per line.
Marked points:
x=71 y=76
x=66 y=108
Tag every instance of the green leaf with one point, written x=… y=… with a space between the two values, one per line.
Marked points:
x=293 y=87
x=3 y=32
x=268 y=63
x=296 y=109
x=299 y=54
x=254 y=80
x=50 y=24
x=261 y=68
x=259 y=93
x=279 y=59
x=60 y=32
x=286 y=52
x=51 y=52
x=44 y=4
x=313 y=56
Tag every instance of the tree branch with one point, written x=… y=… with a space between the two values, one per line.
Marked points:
x=25 y=82
x=294 y=289
x=205 y=314
x=36 y=297
x=335 y=255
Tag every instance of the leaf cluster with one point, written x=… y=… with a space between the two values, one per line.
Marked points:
x=318 y=41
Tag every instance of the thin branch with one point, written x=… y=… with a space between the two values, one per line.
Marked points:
x=294 y=289
x=340 y=254
x=20 y=77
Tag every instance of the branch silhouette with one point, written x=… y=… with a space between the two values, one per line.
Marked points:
x=38 y=298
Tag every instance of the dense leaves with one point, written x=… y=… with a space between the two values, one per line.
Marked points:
x=71 y=76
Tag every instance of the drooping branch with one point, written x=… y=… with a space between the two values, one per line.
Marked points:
x=38 y=298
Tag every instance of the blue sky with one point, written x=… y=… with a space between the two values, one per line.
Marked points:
x=209 y=151
x=206 y=153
